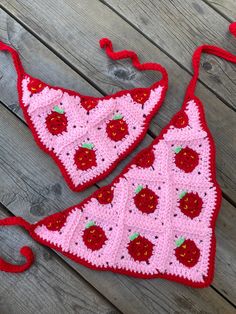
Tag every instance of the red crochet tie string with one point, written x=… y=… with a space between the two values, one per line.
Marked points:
x=107 y=45
x=104 y=43
x=15 y=57
x=25 y=250
x=214 y=50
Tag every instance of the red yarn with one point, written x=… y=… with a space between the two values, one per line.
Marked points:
x=94 y=237
x=36 y=86
x=56 y=123
x=57 y=222
x=193 y=252
x=104 y=195
x=85 y=158
x=117 y=129
x=180 y=120
x=107 y=45
x=140 y=249
x=146 y=201
x=25 y=250
x=188 y=253
x=214 y=50
x=15 y=57
x=191 y=205
x=187 y=159
x=232 y=28
x=141 y=95
x=88 y=103
x=145 y=158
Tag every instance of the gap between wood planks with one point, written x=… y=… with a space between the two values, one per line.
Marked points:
x=219 y=11
x=168 y=54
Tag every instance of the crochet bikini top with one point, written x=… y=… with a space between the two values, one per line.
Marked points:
x=157 y=218
x=88 y=136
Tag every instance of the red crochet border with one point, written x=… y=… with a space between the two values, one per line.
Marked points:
x=163 y=82
x=177 y=278
x=107 y=45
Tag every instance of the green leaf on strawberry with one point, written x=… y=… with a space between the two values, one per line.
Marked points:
x=138 y=189
x=88 y=145
x=134 y=236
x=117 y=117
x=182 y=194
x=179 y=241
x=90 y=224
x=58 y=110
x=177 y=149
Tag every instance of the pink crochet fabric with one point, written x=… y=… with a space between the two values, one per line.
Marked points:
x=157 y=218
x=154 y=220
x=88 y=136
x=88 y=132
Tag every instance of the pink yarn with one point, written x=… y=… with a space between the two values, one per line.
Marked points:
x=83 y=128
x=121 y=218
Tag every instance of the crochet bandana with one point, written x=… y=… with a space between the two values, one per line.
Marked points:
x=157 y=218
x=88 y=136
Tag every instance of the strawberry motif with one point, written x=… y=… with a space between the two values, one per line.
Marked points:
x=85 y=157
x=186 y=159
x=145 y=159
x=94 y=236
x=104 y=195
x=56 y=121
x=117 y=128
x=190 y=204
x=88 y=103
x=35 y=86
x=56 y=222
x=145 y=200
x=180 y=120
x=187 y=252
x=141 y=96
x=140 y=248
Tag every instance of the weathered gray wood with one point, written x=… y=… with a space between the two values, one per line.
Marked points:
x=149 y=304
x=178 y=27
x=70 y=39
x=128 y=294
x=226 y=7
x=48 y=287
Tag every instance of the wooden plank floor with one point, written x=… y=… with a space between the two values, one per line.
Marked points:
x=59 y=44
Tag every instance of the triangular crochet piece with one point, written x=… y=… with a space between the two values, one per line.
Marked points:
x=154 y=221
x=157 y=218
x=88 y=136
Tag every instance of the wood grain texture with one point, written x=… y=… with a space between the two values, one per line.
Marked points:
x=225 y=7
x=49 y=286
x=178 y=27
x=128 y=294
x=70 y=40
x=18 y=149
